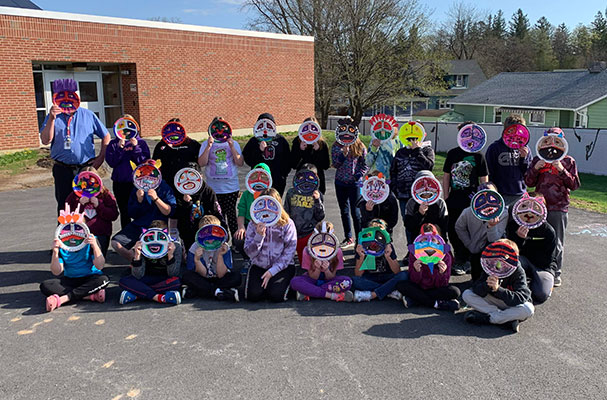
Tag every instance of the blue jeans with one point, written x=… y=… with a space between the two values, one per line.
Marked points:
x=403 y=211
x=347 y=197
x=381 y=284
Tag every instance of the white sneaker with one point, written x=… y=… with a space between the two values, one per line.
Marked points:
x=396 y=295
x=301 y=297
x=362 y=295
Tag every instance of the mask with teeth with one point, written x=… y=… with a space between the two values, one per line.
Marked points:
x=147 y=176
x=309 y=132
x=375 y=189
x=258 y=179
x=126 y=128
x=154 y=243
x=516 y=136
x=471 y=138
x=552 y=147
x=264 y=130
x=87 y=184
x=65 y=96
x=346 y=134
x=529 y=211
x=429 y=249
x=487 y=204
x=211 y=237
x=412 y=130
x=426 y=190
x=220 y=130
x=188 y=181
x=266 y=210
x=383 y=127
x=323 y=245
x=305 y=182
x=173 y=133
x=71 y=231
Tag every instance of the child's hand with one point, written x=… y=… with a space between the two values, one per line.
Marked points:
x=171 y=249
x=302 y=146
x=316 y=195
x=210 y=141
x=316 y=146
x=414 y=143
x=360 y=250
x=493 y=221
x=198 y=253
x=152 y=194
x=239 y=234
x=140 y=194
x=324 y=266
x=90 y=240
x=522 y=232
x=376 y=143
x=316 y=264
x=261 y=229
x=558 y=165
x=417 y=265
x=540 y=164
x=134 y=141
x=388 y=251
x=187 y=198
x=94 y=201
x=56 y=244
x=84 y=200
x=423 y=208
x=369 y=205
x=121 y=143
x=137 y=251
x=493 y=283
x=442 y=267
x=265 y=279
x=523 y=152
x=223 y=249
x=262 y=145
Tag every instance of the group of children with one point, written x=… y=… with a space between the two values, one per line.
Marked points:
x=188 y=269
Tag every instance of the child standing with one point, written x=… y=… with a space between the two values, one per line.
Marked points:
x=418 y=214
x=387 y=210
x=316 y=154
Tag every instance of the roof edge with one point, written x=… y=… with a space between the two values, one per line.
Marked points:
x=511 y=106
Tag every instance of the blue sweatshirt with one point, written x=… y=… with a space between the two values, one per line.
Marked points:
x=145 y=212
x=506 y=168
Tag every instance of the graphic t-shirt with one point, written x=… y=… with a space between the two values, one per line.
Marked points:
x=465 y=169
x=221 y=172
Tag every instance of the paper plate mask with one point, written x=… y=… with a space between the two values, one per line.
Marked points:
x=375 y=189
x=346 y=134
x=412 y=130
x=374 y=241
x=87 y=184
x=426 y=190
x=499 y=259
x=71 y=231
x=471 y=138
x=173 y=133
x=126 y=128
x=258 y=179
x=383 y=127
x=188 y=181
x=220 y=130
x=487 y=204
x=552 y=147
x=305 y=182
x=323 y=245
x=429 y=249
x=146 y=177
x=264 y=130
x=154 y=243
x=265 y=210
x=516 y=136
x=529 y=211
x=309 y=132
x=65 y=96
x=211 y=237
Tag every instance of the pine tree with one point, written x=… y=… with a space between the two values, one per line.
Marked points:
x=543 y=55
x=519 y=25
x=562 y=47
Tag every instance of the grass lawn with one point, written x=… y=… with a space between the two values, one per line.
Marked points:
x=592 y=194
x=15 y=163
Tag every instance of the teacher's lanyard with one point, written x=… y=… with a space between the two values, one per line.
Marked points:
x=68 y=135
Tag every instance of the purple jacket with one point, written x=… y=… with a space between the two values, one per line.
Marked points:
x=120 y=159
x=275 y=250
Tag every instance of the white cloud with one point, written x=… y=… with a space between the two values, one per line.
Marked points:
x=197 y=11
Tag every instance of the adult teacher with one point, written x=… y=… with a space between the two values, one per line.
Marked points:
x=69 y=129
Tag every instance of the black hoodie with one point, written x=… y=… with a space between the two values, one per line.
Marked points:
x=513 y=290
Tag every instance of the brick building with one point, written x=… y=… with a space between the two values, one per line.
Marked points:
x=152 y=70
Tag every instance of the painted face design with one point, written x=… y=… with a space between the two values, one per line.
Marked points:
x=460 y=174
x=87 y=184
x=305 y=182
x=211 y=237
x=220 y=130
x=426 y=189
x=374 y=241
x=126 y=128
x=188 y=181
x=375 y=189
x=258 y=179
x=529 y=211
x=410 y=131
x=499 y=261
x=487 y=204
x=471 y=138
x=429 y=248
x=266 y=210
x=552 y=147
x=264 y=130
x=67 y=101
x=346 y=134
x=72 y=235
x=309 y=132
x=146 y=177
x=154 y=243
x=323 y=245
x=516 y=136
x=173 y=133
x=383 y=127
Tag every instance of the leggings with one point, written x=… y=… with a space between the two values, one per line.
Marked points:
x=74 y=288
x=122 y=192
x=427 y=297
x=347 y=197
x=277 y=288
x=205 y=287
x=227 y=202
x=149 y=286
x=311 y=287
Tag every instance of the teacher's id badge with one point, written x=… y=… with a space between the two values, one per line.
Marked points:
x=67 y=145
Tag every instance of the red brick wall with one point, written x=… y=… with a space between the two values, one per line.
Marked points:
x=190 y=75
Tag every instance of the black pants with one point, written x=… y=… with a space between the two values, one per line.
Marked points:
x=104 y=243
x=476 y=269
x=227 y=202
x=64 y=176
x=205 y=287
x=460 y=251
x=122 y=192
x=74 y=288
x=277 y=288
x=239 y=245
x=427 y=297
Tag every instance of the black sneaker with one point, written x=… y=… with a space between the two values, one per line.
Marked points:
x=458 y=269
x=447 y=305
x=227 y=295
x=477 y=318
x=514 y=325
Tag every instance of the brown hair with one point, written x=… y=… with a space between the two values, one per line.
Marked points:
x=514 y=119
x=357 y=148
x=460 y=126
x=334 y=261
x=158 y=223
x=509 y=243
x=208 y=220
x=284 y=217
x=321 y=140
x=536 y=194
x=378 y=223
x=430 y=228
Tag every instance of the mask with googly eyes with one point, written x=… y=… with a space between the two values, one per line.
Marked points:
x=154 y=243
x=346 y=134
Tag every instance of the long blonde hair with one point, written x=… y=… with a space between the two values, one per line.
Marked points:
x=357 y=148
x=284 y=217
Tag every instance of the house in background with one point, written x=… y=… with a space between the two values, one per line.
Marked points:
x=565 y=98
x=442 y=115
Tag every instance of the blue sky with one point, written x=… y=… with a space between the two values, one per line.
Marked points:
x=228 y=13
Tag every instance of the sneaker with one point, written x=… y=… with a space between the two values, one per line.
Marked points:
x=557 y=281
x=396 y=295
x=406 y=303
x=477 y=318
x=172 y=297
x=301 y=297
x=458 y=269
x=127 y=297
x=468 y=267
x=227 y=295
x=515 y=326
x=348 y=296
x=362 y=295
x=347 y=243
x=447 y=305
x=246 y=264
x=186 y=293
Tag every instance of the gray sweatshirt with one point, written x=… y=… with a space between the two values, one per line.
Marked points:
x=476 y=234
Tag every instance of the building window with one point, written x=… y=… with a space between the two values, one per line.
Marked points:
x=112 y=96
x=39 y=92
x=461 y=81
x=442 y=103
x=538 y=118
x=497 y=117
x=581 y=118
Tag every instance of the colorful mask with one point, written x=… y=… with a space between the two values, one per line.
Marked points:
x=375 y=189
x=305 y=182
x=154 y=243
x=309 y=132
x=264 y=130
x=188 y=181
x=529 y=211
x=265 y=210
x=552 y=147
x=346 y=134
x=258 y=179
x=211 y=237
x=487 y=204
x=173 y=133
x=516 y=136
x=374 y=241
x=323 y=245
x=429 y=249
x=412 y=130
x=71 y=231
x=147 y=176
x=383 y=127
x=471 y=138
x=499 y=259
x=426 y=190
x=65 y=96
x=220 y=130
x=87 y=184
x=126 y=128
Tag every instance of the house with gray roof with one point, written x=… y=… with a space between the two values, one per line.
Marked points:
x=565 y=98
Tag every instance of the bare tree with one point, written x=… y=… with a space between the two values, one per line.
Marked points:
x=175 y=20
x=461 y=34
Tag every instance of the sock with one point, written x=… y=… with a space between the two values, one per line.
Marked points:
x=162 y=299
x=334 y=296
x=436 y=304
